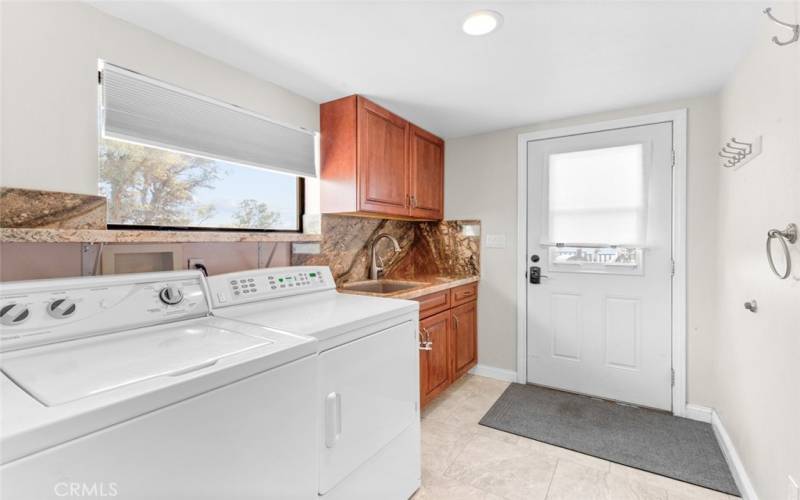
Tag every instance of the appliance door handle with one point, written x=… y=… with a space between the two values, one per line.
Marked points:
x=333 y=419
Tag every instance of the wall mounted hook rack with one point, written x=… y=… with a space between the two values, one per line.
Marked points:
x=736 y=153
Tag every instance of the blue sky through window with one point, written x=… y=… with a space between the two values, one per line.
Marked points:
x=239 y=182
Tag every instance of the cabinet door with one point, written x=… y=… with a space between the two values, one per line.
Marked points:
x=434 y=372
x=382 y=162
x=464 y=338
x=426 y=174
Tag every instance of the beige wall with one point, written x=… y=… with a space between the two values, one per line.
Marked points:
x=481 y=183
x=757 y=368
x=30 y=261
x=49 y=114
x=49 y=88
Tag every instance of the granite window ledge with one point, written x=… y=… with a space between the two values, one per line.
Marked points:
x=50 y=235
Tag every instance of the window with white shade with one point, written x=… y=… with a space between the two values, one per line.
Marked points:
x=597 y=197
x=169 y=157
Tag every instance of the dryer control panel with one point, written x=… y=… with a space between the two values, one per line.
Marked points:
x=264 y=284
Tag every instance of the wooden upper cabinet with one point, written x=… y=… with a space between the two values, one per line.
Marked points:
x=375 y=163
x=426 y=174
x=382 y=163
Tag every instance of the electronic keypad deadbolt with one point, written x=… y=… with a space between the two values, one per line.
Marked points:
x=535 y=275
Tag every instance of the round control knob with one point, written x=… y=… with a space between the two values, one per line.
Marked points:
x=171 y=295
x=61 y=308
x=14 y=314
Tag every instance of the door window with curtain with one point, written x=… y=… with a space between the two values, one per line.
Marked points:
x=596 y=209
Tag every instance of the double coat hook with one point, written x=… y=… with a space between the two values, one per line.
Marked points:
x=794 y=27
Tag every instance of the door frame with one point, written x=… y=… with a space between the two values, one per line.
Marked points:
x=678 y=118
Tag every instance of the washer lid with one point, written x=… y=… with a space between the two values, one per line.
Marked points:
x=67 y=371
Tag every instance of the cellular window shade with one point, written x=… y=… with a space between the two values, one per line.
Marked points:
x=597 y=197
x=140 y=109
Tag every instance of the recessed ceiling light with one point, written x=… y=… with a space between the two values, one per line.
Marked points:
x=482 y=22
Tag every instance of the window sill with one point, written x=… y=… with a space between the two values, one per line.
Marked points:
x=52 y=235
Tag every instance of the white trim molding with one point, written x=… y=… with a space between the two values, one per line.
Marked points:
x=678 y=118
x=495 y=373
x=732 y=457
x=699 y=413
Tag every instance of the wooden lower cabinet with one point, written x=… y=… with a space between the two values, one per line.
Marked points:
x=463 y=337
x=434 y=373
x=452 y=337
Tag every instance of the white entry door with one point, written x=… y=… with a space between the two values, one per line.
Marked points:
x=599 y=230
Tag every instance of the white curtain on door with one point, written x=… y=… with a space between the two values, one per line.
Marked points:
x=597 y=197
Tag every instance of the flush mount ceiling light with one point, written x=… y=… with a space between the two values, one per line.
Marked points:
x=482 y=22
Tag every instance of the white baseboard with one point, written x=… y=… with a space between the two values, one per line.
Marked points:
x=734 y=462
x=699 y=413
x=492 y=372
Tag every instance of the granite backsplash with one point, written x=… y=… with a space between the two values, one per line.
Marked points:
x=447 y=248
x=428 y=249
x=30 y=208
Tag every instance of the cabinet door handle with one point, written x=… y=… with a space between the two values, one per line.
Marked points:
x=455 y=322
x=425 y=343
x=333 y=419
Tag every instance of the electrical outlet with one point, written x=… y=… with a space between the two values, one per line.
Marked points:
x=792 y=490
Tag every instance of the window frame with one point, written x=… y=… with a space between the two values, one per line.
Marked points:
x=300 y=185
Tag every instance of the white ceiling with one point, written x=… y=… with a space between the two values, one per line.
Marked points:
x=549 y=60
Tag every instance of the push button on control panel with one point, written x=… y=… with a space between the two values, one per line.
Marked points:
x=243 y=286
x=269 y=282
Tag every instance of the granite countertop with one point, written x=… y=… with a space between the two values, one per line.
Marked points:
x=430 y=284
x=50 y=235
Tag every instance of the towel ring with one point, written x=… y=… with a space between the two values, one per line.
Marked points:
x=789 y=234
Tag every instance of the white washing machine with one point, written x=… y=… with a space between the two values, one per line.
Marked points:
x=368 y=391
x=125 y=387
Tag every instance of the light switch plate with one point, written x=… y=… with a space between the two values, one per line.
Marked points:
x=495 y=241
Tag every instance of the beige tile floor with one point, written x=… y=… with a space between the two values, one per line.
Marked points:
x=462 y=460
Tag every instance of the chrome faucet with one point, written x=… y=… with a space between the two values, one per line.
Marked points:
x=376 y=270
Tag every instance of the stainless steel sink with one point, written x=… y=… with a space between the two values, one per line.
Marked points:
x=381 y=286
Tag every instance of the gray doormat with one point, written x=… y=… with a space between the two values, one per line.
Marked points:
x=650 y=440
